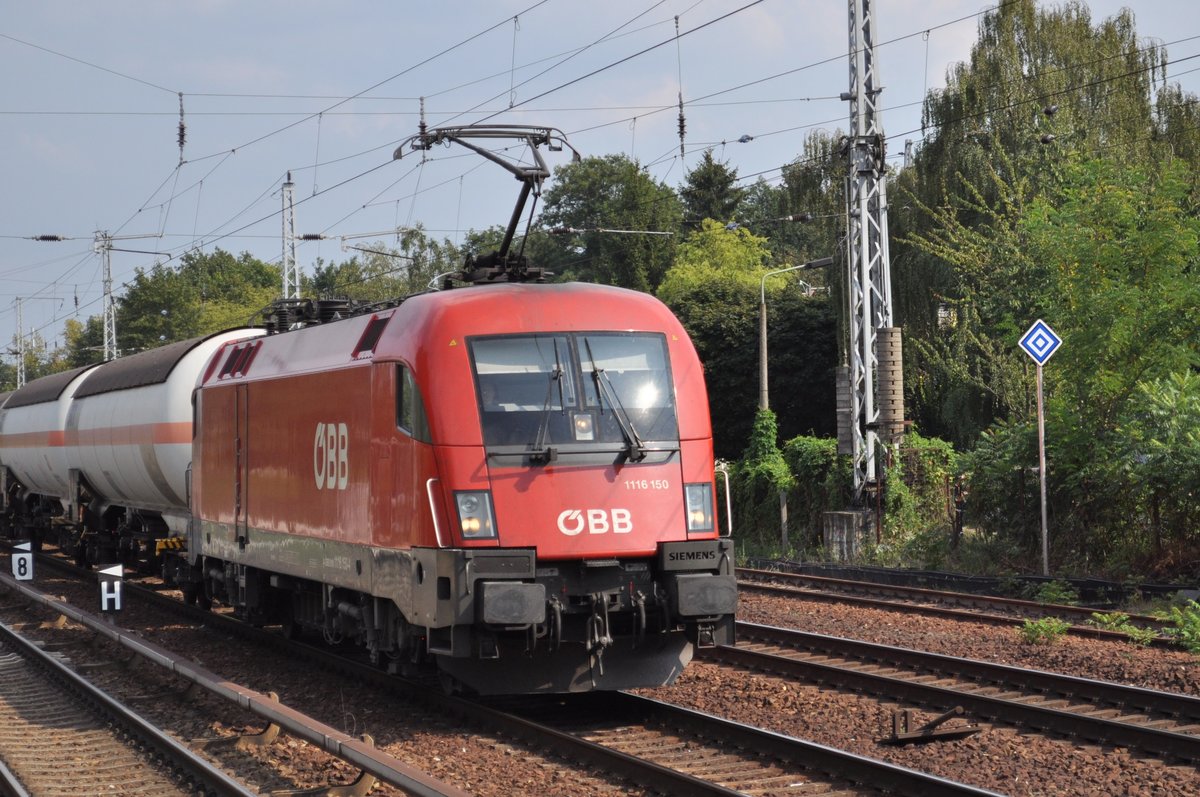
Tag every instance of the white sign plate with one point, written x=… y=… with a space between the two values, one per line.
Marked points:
x=22 y=562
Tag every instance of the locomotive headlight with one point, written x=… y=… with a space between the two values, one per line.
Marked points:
x=699 y=501
x=475 y=516
x=584 y=428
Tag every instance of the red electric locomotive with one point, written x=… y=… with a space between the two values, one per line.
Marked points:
x=516 y=480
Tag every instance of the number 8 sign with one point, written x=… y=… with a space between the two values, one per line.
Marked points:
x=22 y=562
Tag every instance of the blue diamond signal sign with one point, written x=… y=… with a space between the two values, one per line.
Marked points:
x=1040 y=342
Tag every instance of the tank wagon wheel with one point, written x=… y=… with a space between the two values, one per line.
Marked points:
x=79 y=556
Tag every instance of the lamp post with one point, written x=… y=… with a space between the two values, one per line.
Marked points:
x=762 y=323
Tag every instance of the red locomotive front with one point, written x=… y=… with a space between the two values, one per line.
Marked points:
x=513 y=480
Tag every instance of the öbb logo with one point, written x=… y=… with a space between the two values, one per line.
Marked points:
x=331 y=456
x=596 y=521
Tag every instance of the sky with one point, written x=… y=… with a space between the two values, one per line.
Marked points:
x=90 y=113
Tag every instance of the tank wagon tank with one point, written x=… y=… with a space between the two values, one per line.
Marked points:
x=96 y=459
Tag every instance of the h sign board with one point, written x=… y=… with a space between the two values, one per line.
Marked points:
x=110 y=588
x=22 y=562
x=1040 y=342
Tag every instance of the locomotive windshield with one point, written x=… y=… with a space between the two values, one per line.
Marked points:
x=578 y=392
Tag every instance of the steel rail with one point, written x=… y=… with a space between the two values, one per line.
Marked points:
x=1130 y=700
x=858 y=769
x=1025 y=607
x=1042 y=610
x=638 y=770
x=176 y=755
x=341 y=745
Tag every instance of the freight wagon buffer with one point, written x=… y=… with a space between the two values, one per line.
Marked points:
x=515 y=481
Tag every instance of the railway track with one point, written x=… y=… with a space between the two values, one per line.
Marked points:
x=663 y=748
x=939 y=603
x=52 y=719
x=1159 y=724
x=710 y=755
x=116 y=662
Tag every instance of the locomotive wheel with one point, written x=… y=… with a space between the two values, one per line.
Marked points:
x=291 y=629
x=195 y=594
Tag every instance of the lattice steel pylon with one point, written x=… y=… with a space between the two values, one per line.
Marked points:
x=868 y=281
x=291 y=270
x=103 y=246
x=20 y=347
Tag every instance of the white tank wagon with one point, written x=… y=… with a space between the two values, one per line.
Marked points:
x=32 y=441
x=129 y=430
x=121 y=448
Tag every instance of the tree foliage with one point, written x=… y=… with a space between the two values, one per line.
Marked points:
x=1118 y=249
x=710 y=192
x=611 y=193
x=714 y=289
x=1043 y=88
x=381 y=271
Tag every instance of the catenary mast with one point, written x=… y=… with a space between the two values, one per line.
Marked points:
x=291 y=270
x=872 y=370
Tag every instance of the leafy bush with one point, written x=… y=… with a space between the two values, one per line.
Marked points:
x=821 y=482
x=757 y=482
x=1056 y=592
x=1186 y=625
x=1045 y=631
x=1119 y=621
x=1113 y=621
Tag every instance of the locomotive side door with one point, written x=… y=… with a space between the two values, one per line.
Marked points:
x=241 y=472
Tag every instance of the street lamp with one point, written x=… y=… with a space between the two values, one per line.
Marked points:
x=762 y=323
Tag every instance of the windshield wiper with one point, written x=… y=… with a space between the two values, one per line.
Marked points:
x=543 y=453
x=604 y=387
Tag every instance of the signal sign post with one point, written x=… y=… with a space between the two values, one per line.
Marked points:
x=22 y=561
x=110 y=589
x=1040 y=343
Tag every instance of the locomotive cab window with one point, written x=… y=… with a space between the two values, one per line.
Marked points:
x=575 y=392
x=410 y=410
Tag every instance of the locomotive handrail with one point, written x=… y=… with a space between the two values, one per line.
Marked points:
x=724 y=471
x=437 y=527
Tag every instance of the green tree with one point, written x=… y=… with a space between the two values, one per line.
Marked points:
x=1118 y=251
x=1043 y=87
x=207 y=292
x=803 y=217
x=84 y=341
x=710 y=192
x=714 y=289
x=713 y=253
x=1162 y=455
x=613 y=193
x=382 y=272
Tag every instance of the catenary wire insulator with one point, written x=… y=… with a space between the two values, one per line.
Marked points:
x=182 y=129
